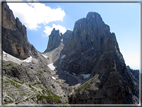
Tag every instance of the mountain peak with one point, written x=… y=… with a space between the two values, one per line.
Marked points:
x=93 y=15
x=54 y=40
x=54 y=32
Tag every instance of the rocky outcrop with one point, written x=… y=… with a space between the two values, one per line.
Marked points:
x=54 y=40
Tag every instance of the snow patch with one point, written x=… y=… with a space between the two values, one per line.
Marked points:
x=85 y=75
x=29 y=59
x=82 y=53
x=73 y=73
x=66 y=72
x=8 y=57
x=92 y=47
x=45 y=56
x=51 y=66
x=63 y=56
x=62 y=40
x=53 y=78
x=4 y=54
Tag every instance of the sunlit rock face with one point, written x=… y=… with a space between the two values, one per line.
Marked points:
x=13 y=34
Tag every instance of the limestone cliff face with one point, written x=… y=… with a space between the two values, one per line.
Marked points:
x=14 y=36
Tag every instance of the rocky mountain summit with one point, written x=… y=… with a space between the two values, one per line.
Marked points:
x=90 y=38
x=54 y=40
x=92 y=54
x=83 y=66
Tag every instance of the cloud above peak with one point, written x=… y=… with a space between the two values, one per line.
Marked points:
x=34 y=14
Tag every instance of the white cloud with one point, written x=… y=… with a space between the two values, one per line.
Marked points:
x=33 y=14
x=57 y=27
x=133 y=60
x=48 y=30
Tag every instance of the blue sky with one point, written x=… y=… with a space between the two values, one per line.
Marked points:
x=123 y=19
